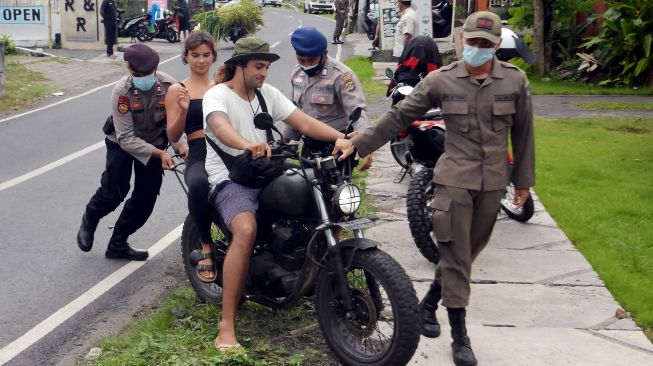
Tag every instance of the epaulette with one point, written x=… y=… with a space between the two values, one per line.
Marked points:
x=508 y=65
x=451 y=66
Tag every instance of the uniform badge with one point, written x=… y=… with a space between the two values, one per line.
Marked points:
x=136 y=105
x=123 y=104
x=348 y=79
x=161 y=101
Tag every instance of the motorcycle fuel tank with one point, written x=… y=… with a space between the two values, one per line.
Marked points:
x=289 y=196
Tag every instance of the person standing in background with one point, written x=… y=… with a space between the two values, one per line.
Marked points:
x=406 y=28
x=341 y=12
x=109 y=14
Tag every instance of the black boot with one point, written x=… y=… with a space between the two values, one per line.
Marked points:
x=427 y=307
x=86 y=233
x=119 y=248
x=460 y=347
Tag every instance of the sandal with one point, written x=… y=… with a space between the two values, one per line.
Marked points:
x=206 y=268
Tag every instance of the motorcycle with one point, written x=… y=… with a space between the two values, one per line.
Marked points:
x=135 y=27
x=365 y=302
x=164 y=28
x=441 y=13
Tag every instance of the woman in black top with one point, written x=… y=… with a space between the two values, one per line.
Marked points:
x=184 y=114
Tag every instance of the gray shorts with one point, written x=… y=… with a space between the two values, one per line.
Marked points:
x=231 y=198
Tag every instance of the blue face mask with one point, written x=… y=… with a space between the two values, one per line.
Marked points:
x=144 y=83
x=475 y=56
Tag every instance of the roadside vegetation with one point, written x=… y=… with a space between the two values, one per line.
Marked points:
x=22 y=86
x=594 y=178
x=630 y=106
x=566 y=87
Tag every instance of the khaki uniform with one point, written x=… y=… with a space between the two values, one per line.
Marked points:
x=328 y=97
x=140 y=117
x=472 y=174
x=341 y=13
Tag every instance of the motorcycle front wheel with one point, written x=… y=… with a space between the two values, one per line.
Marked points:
x=419 y=212
x=383 y=328
x=522 y=214
x=190 y=241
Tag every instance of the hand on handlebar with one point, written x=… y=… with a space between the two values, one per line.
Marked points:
x=260 y=150
x=166 y=161
x=345 y=147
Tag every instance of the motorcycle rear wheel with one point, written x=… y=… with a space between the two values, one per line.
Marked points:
x=384 y=328
x=399 y=151
x=190 y=241
x=142 y=34
x=522 y=214
x=171 y=36
x=418 y=201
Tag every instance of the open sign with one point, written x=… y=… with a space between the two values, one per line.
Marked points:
x=22 y=14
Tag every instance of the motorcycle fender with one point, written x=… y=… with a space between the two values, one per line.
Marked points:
x=416 y=168
x=356 y=244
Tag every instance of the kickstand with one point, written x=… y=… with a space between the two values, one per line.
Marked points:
x=401 y=176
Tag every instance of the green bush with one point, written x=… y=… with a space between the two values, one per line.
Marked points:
x=10 y=47
x=219 y=21
x=624 y=45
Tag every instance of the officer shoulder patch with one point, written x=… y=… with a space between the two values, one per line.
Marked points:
x=123 y=104
x=348 y=80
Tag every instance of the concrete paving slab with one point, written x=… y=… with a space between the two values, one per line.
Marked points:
x=635 y=339
x=511 y=234
x=503 y=265
x=535 y=347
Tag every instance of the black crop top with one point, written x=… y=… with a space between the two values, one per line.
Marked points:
x=194 y=117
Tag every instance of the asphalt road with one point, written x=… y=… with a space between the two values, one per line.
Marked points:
x=42 y=271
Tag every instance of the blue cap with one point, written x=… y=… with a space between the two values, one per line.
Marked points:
x=308 y=41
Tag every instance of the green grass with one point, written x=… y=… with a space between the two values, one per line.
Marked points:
x=362 y=67
x=22 y=86
x=647 y=106
x=594 y=177
x=560 y=87
x=182 y=331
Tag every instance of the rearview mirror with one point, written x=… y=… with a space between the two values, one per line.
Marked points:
x=389 y=73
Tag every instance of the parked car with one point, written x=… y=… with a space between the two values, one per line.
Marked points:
x=275 y=3
x=319 y=6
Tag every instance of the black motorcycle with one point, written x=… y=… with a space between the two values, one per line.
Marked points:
x=365 y=302
x=441 y=14
x=135 y=27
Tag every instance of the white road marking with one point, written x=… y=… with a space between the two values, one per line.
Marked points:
x=275 y=44
x=300 y=21
x=291 y=17
x=71 y=98
x=53 y=321
x=338 y=52
x=46 y=168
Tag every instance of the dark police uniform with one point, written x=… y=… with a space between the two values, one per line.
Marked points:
x=139 y=120
x=109 y=14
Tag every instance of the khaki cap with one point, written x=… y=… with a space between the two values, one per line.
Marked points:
x=483 y=24
x=252 y=48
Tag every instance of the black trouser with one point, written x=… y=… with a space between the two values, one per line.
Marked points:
x=110 y=37
x=197 y=181
x=114 y=186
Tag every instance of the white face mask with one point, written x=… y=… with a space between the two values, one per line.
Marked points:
x=475 y=56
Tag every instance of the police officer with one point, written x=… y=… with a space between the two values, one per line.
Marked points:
x=324 y=88
x=483 y=101
x=341 y=12
x=136 y=138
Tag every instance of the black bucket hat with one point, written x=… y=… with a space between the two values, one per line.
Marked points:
x=252 y=48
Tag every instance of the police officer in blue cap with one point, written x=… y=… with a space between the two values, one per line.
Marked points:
x=135 y=139
x=324 y=88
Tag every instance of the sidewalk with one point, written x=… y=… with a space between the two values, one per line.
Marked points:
x=535 y=299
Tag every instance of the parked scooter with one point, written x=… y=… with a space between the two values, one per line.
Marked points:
x=135 y=27
x=369 y=25
x=364 y=300
x=164 y=28
x=442 y=13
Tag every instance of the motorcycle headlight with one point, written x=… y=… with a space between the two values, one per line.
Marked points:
x=347 y=199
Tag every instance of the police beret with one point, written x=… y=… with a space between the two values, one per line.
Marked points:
x=141 y=58
x=308 y=41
